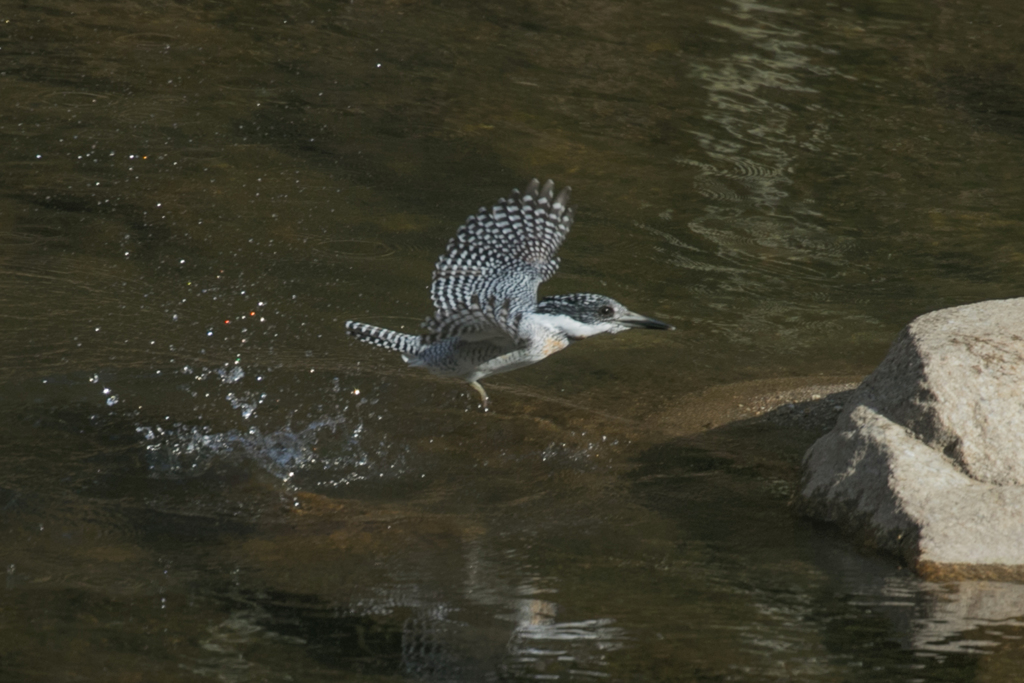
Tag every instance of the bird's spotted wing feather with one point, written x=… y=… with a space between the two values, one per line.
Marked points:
x=488 y=277
x=487 y=321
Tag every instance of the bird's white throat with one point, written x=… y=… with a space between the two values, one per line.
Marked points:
x=572 y=328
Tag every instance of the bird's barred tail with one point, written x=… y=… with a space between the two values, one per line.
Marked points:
x=409 y=345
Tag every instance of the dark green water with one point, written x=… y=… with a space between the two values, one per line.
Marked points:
x=203 y=479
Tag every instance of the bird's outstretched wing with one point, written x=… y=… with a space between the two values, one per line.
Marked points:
x=487 y=279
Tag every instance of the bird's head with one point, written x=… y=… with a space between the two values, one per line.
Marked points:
x=584 y=315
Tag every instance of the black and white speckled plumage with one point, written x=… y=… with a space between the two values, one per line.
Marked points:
x=487 y=318
x=487 y=278
x=409 y=345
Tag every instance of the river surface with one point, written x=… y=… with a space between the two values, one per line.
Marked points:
x=203 y=478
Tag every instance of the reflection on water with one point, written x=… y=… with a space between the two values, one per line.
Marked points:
x=934 y=620
x=431 y=644
x=202 y=479
x=760 y=233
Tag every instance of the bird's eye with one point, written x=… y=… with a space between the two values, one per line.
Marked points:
x=606 y=311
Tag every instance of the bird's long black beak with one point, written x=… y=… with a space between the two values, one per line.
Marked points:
x=636 y=320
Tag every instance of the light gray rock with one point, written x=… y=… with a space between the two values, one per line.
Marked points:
x=927 y=458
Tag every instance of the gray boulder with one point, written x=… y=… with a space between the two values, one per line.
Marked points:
x=927 y=458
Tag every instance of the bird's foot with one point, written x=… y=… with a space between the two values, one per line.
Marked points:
x=483 y=394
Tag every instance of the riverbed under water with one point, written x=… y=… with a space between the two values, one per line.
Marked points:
x=203 y=478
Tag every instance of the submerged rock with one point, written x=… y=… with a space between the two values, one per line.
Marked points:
x=927 y=458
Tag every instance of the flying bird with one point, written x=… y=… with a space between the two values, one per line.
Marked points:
x=487 y=318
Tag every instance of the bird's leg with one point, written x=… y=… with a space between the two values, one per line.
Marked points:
x=483 y=394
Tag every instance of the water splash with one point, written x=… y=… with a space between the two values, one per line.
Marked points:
x=188 y=450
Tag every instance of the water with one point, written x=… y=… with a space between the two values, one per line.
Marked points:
x=204 y=479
